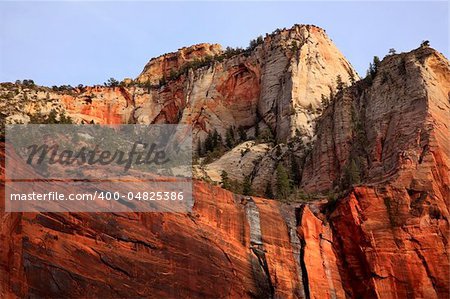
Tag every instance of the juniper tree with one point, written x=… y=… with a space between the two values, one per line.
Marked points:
x=352 y=78
x=373 y=67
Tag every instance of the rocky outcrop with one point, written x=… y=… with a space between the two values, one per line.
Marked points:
x=392 y=231
x=385 y=235
x=293 y=84
x=164 y=65
x=394 y=128
x=96 y=104
x=278 y=84
x=273 y=89
x=395 y=241
x=238 y=163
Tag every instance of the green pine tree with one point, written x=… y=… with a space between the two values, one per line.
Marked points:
x=229 y=138
x=269 y=192
x=295 y=174
x=226 y=184
x=351 y=175
x=257 y=130
x=339 y=83
x=247 y=186
x=283 y=183
x=242 y=134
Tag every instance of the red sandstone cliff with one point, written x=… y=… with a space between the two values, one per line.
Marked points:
x=392 y=231
x=386 y=237
x=162 y=66
x=276 y=87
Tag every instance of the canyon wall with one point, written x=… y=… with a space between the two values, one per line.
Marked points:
x=278 y=83
x=393 y=229
x=275 y=88
x=382 y=236
x=395 y=128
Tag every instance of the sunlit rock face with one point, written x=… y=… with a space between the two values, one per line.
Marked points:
x=233 y=245
x=386 y=237
x=279 y=83
x=275 y=88
x=395 y=127
x=164 y=65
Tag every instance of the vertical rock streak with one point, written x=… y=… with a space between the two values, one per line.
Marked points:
x=290 y=217
x=257 y=247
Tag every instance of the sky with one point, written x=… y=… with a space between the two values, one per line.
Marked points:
x=78 y=42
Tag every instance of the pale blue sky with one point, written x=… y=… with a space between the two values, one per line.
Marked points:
x=87 y=42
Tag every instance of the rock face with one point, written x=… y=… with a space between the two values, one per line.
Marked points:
x=384 y=236
x=162 y=66
x=394 y=240
x=275 y=88
x=229 y=246
x=239 y=162
x=278 y=84
x=395 y=128
x=86 y=105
